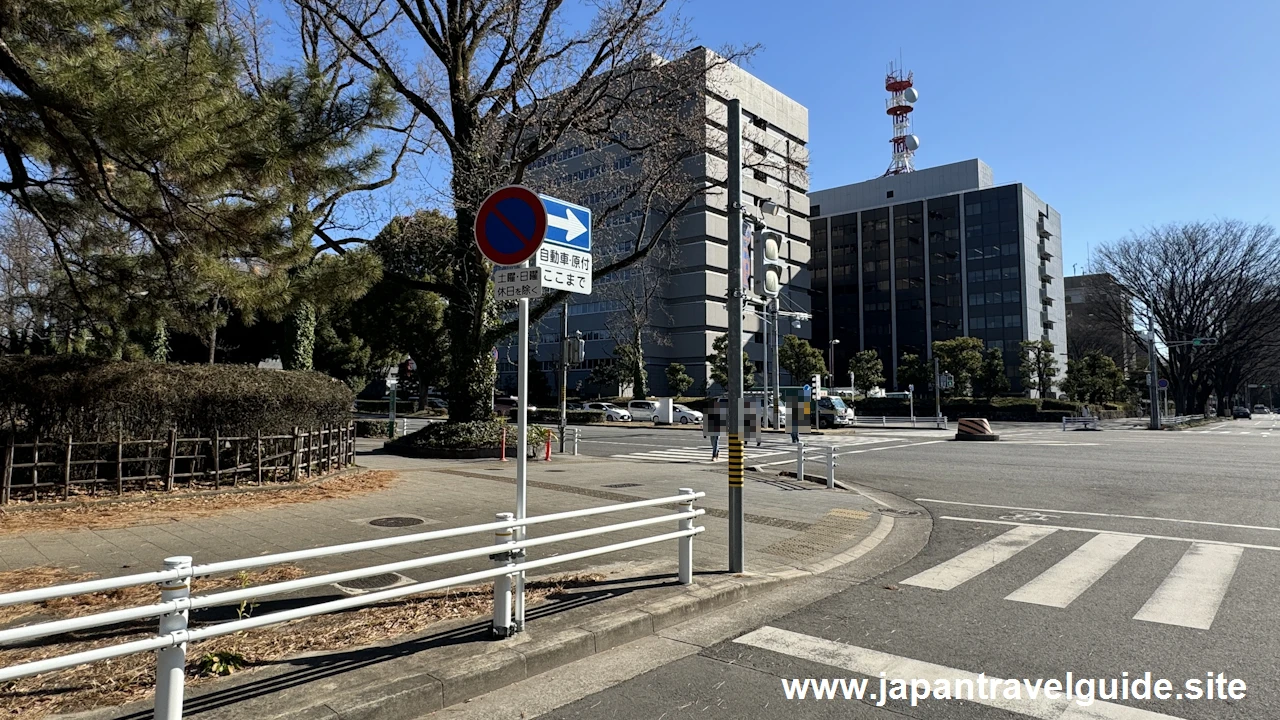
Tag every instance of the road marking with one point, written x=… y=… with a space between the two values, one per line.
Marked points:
x=974 y=562
x=1113 y=532
x=874 y=663
x=1064 y=582
x=1099 y=514
x=1191 y=594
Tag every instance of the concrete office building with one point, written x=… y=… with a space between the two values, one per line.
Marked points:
x=690 y=311
x=1092 y=301
x=905 y=260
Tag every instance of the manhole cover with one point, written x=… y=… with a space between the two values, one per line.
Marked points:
x=895 y=512
x=621 y=485
x=395 y=522
x=373 y=582
x=557 y=471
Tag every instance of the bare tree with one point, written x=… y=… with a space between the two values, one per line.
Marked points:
x=1216 y=279
x=638 y=291
x=511 y=87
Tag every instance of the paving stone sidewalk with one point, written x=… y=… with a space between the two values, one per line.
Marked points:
x=789 y=523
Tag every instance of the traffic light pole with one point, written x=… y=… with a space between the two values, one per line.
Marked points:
x=1153 y=378
x=937 y=389
x=564 y=370
x=737 y=551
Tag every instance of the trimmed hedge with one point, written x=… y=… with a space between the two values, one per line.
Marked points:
x=574 y=417
x=1005 y=408
x=383 y=407
x=478 y=434
x=53 y=397
x=372 y=428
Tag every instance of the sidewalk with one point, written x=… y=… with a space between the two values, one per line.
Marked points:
x=793 y=529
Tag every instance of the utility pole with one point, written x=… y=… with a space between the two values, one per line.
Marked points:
x=777 y=369
x=1153 y=376
x=737 y=551
x=764 y=406
x=564 y=370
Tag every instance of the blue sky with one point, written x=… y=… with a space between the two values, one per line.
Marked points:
x=1120 y=114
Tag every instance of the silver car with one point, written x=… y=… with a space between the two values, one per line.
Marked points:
x=612 y=413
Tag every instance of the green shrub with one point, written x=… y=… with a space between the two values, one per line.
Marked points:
x=574 y=417
x=373 y=428
x=467 y=435
x=383 y=407
x=93 y=400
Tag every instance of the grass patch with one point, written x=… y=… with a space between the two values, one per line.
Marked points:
x=133 y=677
x=151 y=508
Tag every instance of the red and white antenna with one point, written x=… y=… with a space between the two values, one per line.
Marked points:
x=902 y=98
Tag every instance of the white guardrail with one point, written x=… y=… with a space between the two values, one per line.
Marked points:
x=508 y=551
x=1179 y=419
x=938 y=423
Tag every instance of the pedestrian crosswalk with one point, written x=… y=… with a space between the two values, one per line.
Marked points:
x=773 y=450
x=1189 y=596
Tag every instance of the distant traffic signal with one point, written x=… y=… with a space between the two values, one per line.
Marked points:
x=1197 y=342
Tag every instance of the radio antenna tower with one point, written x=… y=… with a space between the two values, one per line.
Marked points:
x=902 y=98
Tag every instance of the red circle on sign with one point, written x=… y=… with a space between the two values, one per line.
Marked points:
x=510 y=225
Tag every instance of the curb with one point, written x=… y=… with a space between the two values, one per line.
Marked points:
x=404 y=685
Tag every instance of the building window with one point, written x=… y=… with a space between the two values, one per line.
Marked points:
x=976 y=299
x=888 y=194
x=973 y=209
x=1012 y=321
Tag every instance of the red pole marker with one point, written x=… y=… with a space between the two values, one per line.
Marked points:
x=504 y=444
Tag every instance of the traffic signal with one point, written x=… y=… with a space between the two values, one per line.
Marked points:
x=576 y=350
x=1197 y=342
x=769 y=266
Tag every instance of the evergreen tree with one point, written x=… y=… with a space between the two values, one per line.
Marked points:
x=991 y=378
x=720 y=364
x=800 y=359
x=867 y=369
x=678 y=380
x=962 y=357
x=1039 y=366
x=913 y=370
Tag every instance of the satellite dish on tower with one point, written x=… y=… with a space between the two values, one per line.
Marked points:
x=913 y=142
x=910 y=95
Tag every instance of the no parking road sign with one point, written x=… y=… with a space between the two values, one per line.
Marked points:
x=510 y=225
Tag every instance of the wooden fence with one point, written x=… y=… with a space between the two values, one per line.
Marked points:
x=61 y=469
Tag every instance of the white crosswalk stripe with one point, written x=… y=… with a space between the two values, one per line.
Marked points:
x=968 y=565
x=1066 y=581
x=1190 y=596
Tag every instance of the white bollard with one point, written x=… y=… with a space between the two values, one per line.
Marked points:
x=800 y=461
x=831 y=467
x=502 y=584
x=171 y=662
x=686 y=542
x=575 y=440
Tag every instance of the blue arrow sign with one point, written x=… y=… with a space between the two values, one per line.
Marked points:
x=567 y=224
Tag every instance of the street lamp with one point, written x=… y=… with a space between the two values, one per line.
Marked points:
x=834 y=342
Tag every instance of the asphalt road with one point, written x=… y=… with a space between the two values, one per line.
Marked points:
x=1106 y=555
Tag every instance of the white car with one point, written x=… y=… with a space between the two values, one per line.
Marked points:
x=643 y=410
x=612 y=413
x=684 y=416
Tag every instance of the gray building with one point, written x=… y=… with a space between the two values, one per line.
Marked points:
x=905 y=260
x=1098 y=313
x=691 y=283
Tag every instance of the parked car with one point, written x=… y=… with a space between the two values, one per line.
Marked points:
x=684 y=416
x=507 y=406
x=832 y=412
x=646 y=410
x=612 y=413
x=437 y=403
x=1241 y=412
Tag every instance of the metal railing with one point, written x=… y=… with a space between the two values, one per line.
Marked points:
x=176 y=600
x=1087 y=421
x=1179 y=419
x=938 y=423
x=828 y=459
